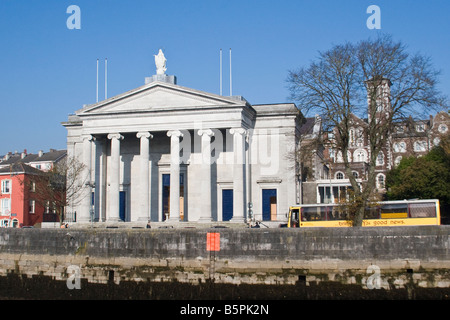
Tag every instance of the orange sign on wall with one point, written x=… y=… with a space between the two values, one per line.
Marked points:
x=213 y=241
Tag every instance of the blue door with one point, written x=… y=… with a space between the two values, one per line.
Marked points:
x=227 y=204
x=165 y=195
x=122 y=205
x=269 y=202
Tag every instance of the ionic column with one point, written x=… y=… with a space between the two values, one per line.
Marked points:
x=174 y=174
x=114 y=178
x=238 y=174
x=144 y=190
x=205 y=205
x=84 y=214
x=100 y=179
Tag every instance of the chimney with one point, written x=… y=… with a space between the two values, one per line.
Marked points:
x=41 y=153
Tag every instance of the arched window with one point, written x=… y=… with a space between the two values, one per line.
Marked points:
x=14 y=223
x=380 y=181
x=355 y=174
x=360 y=155
x=380 y=159
x=397 y=160
x=339 y=175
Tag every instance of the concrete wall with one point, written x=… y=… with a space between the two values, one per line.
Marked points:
x=255 y=256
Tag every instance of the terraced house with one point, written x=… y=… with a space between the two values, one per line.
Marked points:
x=18 y=201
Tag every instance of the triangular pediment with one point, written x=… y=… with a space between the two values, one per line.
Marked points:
x=159 y=96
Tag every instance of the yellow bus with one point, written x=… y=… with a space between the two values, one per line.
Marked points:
x=383 y=214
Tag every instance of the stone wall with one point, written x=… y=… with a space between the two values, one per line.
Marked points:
x=395 y=256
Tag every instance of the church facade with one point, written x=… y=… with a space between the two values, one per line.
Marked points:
x=164 y=152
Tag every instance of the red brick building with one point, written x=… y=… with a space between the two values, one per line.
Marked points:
x=19 y=205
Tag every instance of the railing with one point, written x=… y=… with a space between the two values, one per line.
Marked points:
x=70 y=217
x=50 y=217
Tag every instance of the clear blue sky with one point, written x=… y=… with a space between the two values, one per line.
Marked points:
x=48 y=71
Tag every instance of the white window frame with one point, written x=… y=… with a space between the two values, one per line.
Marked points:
x=5 y=204
x=32 y=208
x=6 y=186
x=400 y=147
x=420 y=128
x=379 y=185
x=420 y=146
x=360 y=155
x=380 y=159
x=338 y=174
x=352 y=137
x=442 y=128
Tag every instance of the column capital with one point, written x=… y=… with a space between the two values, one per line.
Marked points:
x=238 y=131
x=144 y=134
x=88 y=137
x=174 y=133
x=207 y=132
x=117 y=136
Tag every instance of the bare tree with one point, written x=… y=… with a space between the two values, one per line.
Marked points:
x=373 y=79
x=60 y=186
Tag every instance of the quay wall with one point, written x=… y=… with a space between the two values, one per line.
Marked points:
x=395 y=257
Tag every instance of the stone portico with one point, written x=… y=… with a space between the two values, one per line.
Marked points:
x=163 y=152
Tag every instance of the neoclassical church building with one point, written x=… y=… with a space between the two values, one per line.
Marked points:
x=164 y=152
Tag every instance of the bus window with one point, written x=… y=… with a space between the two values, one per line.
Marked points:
x=395 y=210
x=294 y=218
x=422 y=210
x=315 y=213
x=339 y=213
x=372 y=213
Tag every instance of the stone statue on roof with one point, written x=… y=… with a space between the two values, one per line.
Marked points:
x=160 y=62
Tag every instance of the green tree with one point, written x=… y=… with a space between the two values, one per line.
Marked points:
x=427 y=177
